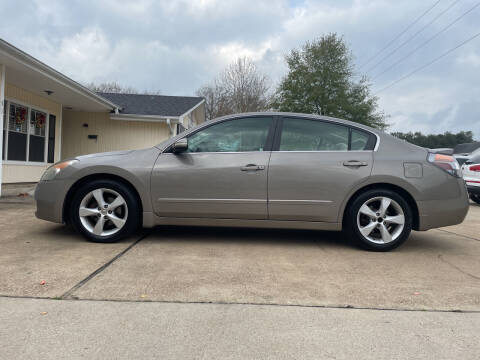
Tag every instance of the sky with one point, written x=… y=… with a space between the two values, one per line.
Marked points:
x=176 y=46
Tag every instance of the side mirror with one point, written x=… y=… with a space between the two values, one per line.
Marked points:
x=180 y=146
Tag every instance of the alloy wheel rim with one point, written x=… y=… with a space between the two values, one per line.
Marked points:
x=380 y=220
x=103 y=212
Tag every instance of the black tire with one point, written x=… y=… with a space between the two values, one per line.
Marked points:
x=475 y=198
x=133 y=215
x=351 y=228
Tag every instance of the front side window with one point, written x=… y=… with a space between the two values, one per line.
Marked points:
x=313 y=135
x=239 y=135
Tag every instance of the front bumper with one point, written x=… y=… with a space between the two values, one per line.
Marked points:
x=444 y=212
x=49 y=197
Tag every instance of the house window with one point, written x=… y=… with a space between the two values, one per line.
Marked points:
x=36 y=148
x=17 y=133
x=27 y=135
x=51 y=138
x=4 y=129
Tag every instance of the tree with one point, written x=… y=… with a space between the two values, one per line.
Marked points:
x=216 y=103
x=115 y=87
x=239 y=88
x=320 y=81
x=432 y=141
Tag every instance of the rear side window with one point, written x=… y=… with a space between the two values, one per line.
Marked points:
x=312 y=135
x=359 y=140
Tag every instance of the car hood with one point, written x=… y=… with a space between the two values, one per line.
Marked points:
x=110 y=153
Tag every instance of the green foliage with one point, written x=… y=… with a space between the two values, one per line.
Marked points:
x=320 y=81
x=432 y=141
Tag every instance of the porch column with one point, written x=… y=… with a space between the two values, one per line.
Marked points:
x=2 y=104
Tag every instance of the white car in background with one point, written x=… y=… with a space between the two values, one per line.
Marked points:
x=463 y=152
x=471 y=175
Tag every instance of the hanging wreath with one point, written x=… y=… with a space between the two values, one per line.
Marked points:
x=20 y=116
x=40 y=120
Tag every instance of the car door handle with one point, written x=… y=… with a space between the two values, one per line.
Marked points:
x=252 y=167
x=355 y=163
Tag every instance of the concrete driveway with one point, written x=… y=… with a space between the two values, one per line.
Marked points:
x=434 y=271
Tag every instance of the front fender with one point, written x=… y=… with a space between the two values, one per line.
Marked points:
x=134 y=167
x=140 y=183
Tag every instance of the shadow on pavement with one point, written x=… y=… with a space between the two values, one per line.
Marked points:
x=424 y=242
x=250 y=235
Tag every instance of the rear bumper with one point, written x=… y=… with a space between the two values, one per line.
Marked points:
x=439 y=213
x=49 y=197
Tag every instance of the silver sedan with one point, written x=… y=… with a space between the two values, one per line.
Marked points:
x=277 y=170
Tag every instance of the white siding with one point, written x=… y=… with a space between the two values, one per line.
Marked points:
x=112 y=134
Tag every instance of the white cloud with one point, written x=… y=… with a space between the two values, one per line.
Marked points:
x=227 y=53
x=472 y=59
x=83 y=55
x=178 y=45
x=129 y=8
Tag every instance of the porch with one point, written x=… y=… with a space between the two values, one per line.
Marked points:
x=33 y=97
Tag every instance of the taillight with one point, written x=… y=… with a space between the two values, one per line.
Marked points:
x=474 y=168
x=445 y=162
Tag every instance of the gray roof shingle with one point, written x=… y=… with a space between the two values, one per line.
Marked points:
x=160 y=105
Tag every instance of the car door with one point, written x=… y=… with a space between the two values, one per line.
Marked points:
x=223 y=174
x=313 y=165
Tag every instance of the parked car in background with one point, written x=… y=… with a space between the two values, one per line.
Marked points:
x=471 y=175
x=446 y=151
x=466 y=158
x=278 y=170
x=463 y=152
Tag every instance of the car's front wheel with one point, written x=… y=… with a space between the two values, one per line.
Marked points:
x=105 y=211
x=378 y=220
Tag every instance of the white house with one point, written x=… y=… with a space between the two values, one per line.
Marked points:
x=48 y=117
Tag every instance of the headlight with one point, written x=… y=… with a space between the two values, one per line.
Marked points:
x=53 y=170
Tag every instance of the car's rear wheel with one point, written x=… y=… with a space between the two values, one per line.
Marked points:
x=378 y=220
x=475 y=198
x=105 y=211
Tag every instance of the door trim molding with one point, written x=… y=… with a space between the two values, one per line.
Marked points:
x=206 y=201
x=245 y=201
x=299 y=202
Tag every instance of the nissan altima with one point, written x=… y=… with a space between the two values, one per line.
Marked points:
x=277 y=170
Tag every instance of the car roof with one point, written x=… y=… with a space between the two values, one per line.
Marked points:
x=303 y=115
